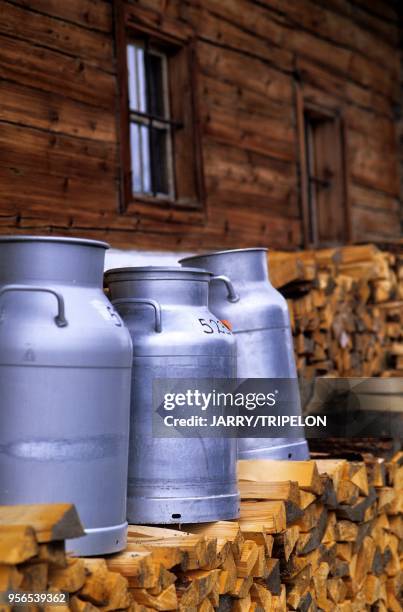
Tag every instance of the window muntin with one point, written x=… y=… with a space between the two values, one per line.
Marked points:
x=151 y=128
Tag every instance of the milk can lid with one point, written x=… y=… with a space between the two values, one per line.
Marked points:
x=55 y=239
x=225 y=252
x=158 y=272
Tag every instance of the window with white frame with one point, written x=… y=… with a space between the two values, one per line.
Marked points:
x=151 y=126
x=160 y=136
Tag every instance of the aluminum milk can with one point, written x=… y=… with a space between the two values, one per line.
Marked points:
x=174 y=480
x=260 y=322
x=65 y=373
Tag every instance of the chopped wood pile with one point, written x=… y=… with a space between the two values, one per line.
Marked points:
x=346 y=308
x=312 y=535
x=33 y=560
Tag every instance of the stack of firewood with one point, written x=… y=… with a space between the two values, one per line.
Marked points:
x=346 y=307
x=343 y=551
x=33 y=562
x=312 y=535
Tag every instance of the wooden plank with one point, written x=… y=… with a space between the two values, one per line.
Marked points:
x=167 y=600
x=17 y=544
x=343 y=61
x=70 y=578
x=261 y=182
x=10 y=578
x=118 y=593
x=217 y=29
x=285 y=542
x=371 y=165
x=158 y=20
x=91 y=14
x=263 y=470
x=266 y=516
x=35 y=576
x=261 y=596
x=313 y=516
x=361 y=120
x=54 y=72
x=237 y=12
x=362 y=15
x=196 y=551
x=283 y=491
x=51 y=196
x=26 y=149
x=200 y=584
x=94 y=47
x=222 y=530
x=95 y=589
x=316 y=79
x=369 y=224
x=287 y=492
x=49 y=521
x=54 y=112
x=320 y=21
x=365 y=197
x=53 y=553
x=139 y=566
x=248 y=73
x=248 y=557
x=222 y=93
x=259 y=134
x=260 y=21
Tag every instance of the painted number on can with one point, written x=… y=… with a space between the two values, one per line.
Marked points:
x=107 y=312
x=212 y=326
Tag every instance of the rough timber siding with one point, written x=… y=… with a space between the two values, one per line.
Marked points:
x=59 y=164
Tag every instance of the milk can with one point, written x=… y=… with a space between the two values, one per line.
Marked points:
x=174 y=480
x=260 y=322
x=65 y=373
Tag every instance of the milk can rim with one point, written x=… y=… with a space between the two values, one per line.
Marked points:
x=158 y=269
x=56 y=239
x=224 y=252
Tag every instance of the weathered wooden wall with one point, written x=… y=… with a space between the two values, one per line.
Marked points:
x=58 y=130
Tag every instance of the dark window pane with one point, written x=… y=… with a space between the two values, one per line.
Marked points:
x=159 y=147
x=135 y=153
x=145 y=143
x=155 y=83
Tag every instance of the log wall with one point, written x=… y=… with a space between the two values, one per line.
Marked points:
x=59 y=156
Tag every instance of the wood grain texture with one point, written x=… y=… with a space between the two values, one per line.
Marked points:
x=330 y=557
x=60 y=155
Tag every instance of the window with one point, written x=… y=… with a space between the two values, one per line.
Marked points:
x=159 y=139
x=150 y=122
x=323 y=186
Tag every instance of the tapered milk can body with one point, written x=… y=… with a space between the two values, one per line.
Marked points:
x=174 y=480
x=65 y=373
x=261 y=325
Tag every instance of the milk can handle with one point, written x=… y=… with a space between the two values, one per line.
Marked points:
x=60 y=319
x=156 y=305
x=232 y=294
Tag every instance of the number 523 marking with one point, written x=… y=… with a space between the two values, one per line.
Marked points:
x=213 y=326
